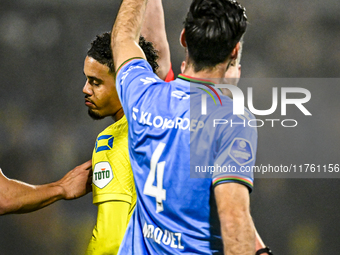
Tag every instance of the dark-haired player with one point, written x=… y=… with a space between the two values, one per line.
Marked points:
x=113 y=188
x=113 y=185
x=232 y=77
x=168 y=137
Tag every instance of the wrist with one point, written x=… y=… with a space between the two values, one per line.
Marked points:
x=60 y=192
x=264 y=251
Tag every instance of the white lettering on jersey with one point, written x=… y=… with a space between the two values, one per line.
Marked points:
x=125 y=74
x=166 y=237
x=180 y=94
x=133 y=114
x=148 y=80
x=147 y=118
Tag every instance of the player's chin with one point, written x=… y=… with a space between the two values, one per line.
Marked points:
x=95 y=115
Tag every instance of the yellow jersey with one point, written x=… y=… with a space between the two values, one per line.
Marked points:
x=112 y=181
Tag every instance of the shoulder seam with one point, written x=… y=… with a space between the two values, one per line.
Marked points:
x=125 y=62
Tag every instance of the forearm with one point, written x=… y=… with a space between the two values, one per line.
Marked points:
x=237 y=227
x=238 y=234
x=126 y=31
x=155 y=33
x=20 y=197
x=129 y=20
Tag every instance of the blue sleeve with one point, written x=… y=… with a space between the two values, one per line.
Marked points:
x=236 y=156
x=132 y=79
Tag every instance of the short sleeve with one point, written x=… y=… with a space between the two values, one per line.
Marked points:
x=236 y=157
x=132 y=79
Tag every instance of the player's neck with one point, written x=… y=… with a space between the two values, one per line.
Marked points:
x=118 y=115
x=216 y=72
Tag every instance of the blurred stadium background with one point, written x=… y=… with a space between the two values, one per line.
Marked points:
x=45 y=130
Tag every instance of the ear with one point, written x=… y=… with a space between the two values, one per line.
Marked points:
x=239 y=71
x=234 y=53
x=182 y=39
x=183 y=65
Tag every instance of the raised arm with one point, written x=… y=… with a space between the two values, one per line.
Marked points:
x=126 y=31
x=153 y=30
x=237 y=227
x=20 y=197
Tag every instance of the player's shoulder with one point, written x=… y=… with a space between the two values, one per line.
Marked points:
x=106 y=131
x=238 y=121
x=230 y=106
x=133 y=63
x=137 y=72
x=115 y=128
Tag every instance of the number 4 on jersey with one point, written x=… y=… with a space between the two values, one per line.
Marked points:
x=156 y=191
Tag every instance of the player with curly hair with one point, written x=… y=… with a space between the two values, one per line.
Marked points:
x=113 y=185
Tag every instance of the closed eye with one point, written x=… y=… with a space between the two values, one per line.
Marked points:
x=94 y=81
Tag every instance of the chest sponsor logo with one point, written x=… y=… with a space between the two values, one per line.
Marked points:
x=102 y=174
x=149 y=119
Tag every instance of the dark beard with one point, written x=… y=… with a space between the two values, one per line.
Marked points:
x=94 y=115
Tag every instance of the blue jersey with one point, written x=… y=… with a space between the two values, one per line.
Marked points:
x=177 y=156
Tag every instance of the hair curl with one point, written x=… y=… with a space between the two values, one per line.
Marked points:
x=101 y=51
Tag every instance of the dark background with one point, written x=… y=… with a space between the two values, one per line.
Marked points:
x=45 y=130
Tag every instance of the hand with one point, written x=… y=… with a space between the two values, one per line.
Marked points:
x=77 y=182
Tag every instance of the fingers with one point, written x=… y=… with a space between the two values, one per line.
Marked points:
x=87 y=165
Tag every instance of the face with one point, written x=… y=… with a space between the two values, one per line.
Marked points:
x=100 y=92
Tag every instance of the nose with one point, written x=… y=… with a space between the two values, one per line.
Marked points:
x=87 y=89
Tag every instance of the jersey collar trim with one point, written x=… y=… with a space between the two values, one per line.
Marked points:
x=196 y=80
x=126 y=62
x=203 y=84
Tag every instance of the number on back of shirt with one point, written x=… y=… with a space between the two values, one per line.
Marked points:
x=156 y=168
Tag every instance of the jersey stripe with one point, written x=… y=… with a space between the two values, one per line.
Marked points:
x=232 y=178
x=126 y=62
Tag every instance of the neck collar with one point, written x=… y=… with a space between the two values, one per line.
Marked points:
x=196 y=80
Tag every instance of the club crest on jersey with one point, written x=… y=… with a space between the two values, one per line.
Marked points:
x=102 y=174
x=241 y=151
x=104 y=143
